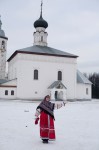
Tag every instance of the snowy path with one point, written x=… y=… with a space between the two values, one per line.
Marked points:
x=77 y=127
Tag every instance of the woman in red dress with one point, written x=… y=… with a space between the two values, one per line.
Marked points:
x=45 y=110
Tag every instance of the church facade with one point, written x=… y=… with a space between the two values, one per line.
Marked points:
x=36 y=71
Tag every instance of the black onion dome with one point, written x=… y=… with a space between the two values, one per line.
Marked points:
x=40 y=23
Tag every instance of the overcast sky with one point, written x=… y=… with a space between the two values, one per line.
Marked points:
x=73 y=27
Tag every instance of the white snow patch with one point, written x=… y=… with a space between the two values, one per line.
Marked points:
x=77 y=126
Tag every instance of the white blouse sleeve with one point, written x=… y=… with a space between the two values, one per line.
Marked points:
x=59 y=105
x=37 y=113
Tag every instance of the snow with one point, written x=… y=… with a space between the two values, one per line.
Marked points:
x=77 y=126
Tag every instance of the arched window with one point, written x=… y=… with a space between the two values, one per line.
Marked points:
x=12 y=92
x=41 y=38
x=59 y=75
x=3 y=44
x=86 y=91
x=35 y=74
x=6 y=92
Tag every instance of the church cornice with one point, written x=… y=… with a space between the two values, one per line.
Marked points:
x=8 y=86
x=34 y=53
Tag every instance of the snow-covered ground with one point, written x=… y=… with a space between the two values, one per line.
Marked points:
x=77 y=126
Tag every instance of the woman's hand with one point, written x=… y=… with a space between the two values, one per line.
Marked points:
x=36 y=120
x=64 y=102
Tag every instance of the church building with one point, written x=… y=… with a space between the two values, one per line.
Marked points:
x=38 y=70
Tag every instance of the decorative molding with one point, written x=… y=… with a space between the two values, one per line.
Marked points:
x=8 y=86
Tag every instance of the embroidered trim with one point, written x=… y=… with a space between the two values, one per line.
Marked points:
x=46 y=129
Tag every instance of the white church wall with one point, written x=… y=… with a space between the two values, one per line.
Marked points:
x=70 y=80
x=48 y=67
x=12 y=68
x=9 y=89
x=9 y=86
x=83 y=91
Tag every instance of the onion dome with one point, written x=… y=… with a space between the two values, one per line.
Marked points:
x=41 y=22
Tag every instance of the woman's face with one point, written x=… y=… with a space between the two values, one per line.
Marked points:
x=47 y=98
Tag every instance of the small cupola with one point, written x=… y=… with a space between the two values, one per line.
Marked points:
x=2 y=33
x=3 y=51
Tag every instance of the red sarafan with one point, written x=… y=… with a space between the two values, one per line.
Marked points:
x=47 y=130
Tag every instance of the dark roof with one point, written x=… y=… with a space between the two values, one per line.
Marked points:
x=81 y=78
x=3 y=81
x=2 y=34
x=3 y=37
x=6 y=80
x=57 y=84
x=43 y=50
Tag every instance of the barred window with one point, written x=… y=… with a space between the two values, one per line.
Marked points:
x=3 y=44
x=59 y=75
x=6 y=92
x=35 y=74
x=12 y=92
x=87 y=91
x=41 y=38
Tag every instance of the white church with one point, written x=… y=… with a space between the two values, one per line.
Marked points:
x=34 y=72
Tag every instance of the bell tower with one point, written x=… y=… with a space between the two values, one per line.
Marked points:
x=3 y=50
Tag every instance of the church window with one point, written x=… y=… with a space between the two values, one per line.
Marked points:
x=41 y=38
x=3 y=44
x=6 y=92
x=12 y=92
x=87 y=91
x=35 y=74
x=59 y=75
